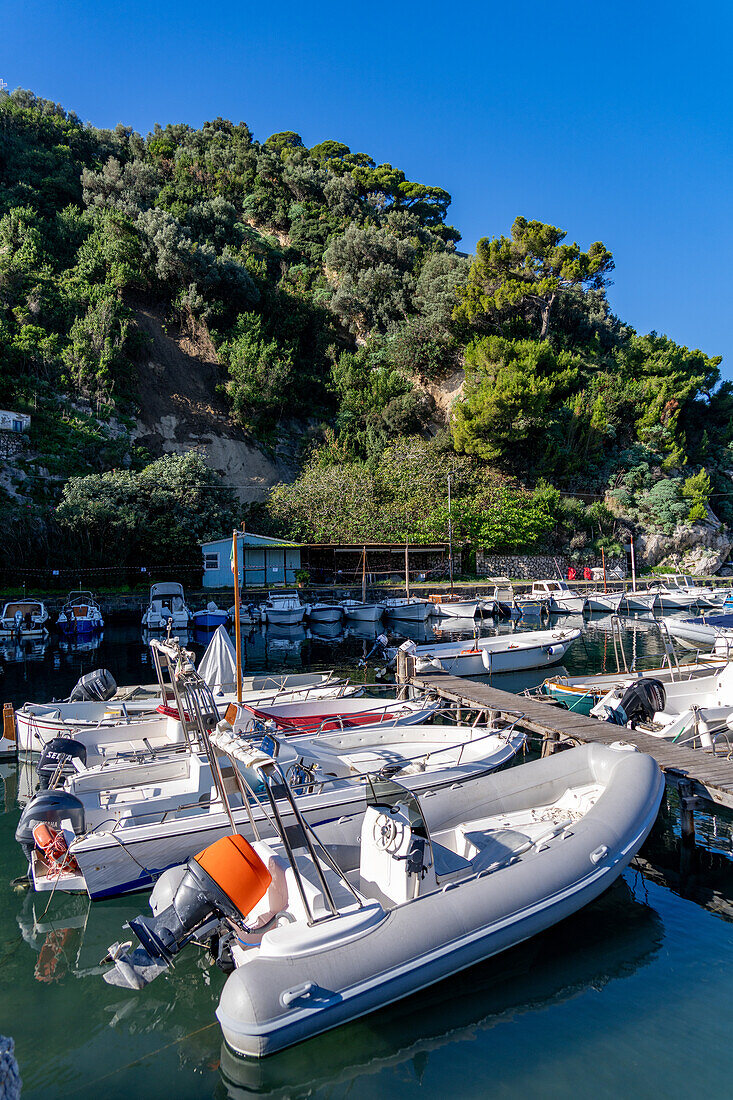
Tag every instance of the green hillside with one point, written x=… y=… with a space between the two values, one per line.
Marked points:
x=336 y=300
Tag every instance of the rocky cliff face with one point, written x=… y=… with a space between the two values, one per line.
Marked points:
x=699 y=548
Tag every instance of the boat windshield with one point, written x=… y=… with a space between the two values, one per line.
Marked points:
x=385 y=792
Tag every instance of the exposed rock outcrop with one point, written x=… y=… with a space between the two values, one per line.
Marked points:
x=699 y=548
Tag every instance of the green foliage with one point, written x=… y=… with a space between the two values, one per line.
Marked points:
x=526 y=272
x=155 y=517
x=512 y=398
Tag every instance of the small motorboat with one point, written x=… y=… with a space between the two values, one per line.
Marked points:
x=333 y=714
x=362 y=612
x=453 y=607
x=603 y=601
x=25 y=618
x=314 y=932
x=407 y=608
x=581 y=693
x=324 y=613
x=125 y=820
x=638 y=599
x=210 y=617
x=696 y=712
x=561 y=596
x=167 y=605
x=80 y=614
x=283 y=609
x=500 y=653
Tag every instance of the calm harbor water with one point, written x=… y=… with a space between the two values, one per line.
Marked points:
x=633 y=996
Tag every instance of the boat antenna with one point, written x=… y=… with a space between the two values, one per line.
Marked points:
x=363 y=577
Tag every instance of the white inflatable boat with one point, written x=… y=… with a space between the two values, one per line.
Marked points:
x=314 y=934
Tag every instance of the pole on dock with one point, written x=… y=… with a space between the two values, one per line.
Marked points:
x=688 y=851
x=450 y=538
x=237 y=612
x=603 y=559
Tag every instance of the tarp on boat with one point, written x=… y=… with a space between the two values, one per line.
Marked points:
x=218 y=665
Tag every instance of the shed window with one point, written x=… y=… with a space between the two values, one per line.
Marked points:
x=211 y=561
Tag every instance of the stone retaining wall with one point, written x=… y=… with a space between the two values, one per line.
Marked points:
x=535 y=567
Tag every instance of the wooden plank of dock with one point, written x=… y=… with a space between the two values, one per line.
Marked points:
x=709 y=776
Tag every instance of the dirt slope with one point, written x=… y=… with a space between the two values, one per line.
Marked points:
x=180 y=408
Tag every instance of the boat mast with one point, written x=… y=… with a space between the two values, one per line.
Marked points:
x=237 y=614
x=450 y=539
x=633 y=566
x=407 y=568
x=363 y=577
x=603 y=560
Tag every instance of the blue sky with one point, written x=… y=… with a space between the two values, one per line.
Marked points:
x=613 y=121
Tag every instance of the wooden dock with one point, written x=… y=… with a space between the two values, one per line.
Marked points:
x=695 y=773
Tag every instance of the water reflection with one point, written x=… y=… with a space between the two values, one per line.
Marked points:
x=607 y=942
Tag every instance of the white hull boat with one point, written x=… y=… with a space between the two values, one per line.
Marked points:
x=167 y=606
x=137 y=819
x=603 y=601
x=563 y=600
x=428 y=891
x=502 y=653
x=410 y=610
x=108 y=729
x=283 y=609
x=325 y=613
x=639 y=600
x=24 y=619
x=450 y=608
x=362 y=612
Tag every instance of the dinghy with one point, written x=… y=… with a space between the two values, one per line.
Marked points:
x=603 y=601
x=210 y=617
x=324 y=613
x=314 y=933
x=501 y=653
x=332 y=714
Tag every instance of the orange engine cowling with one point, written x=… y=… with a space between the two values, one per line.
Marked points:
x=236 y=869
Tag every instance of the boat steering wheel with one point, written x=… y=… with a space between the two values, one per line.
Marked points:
x=387 y=833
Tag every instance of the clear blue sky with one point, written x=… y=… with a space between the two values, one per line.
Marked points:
x=612 y=121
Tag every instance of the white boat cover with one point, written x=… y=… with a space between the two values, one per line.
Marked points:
x=218 y=665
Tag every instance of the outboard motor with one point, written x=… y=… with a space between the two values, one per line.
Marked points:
x=227 y=879
x=642 y=699
x=49 y=808
x=58 y=758
x=639 y=703
x=94 y=687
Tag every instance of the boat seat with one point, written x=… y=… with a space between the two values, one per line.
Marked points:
x=494 y=845
x=448 y=864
